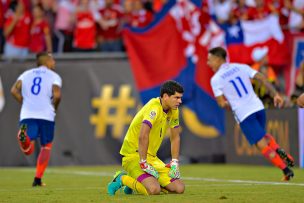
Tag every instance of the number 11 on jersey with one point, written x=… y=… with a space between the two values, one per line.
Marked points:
x=236 y=87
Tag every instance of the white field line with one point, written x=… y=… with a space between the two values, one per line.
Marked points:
x=55 y=189
x=244 y=182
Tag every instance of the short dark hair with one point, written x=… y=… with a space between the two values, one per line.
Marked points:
x=219 y=52
x=170 y=87
x=40 y=6
x=13 y=5
x=41 y=57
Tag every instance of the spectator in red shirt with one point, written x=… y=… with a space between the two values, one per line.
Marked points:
x=109 y=34
x=128 y=9
x=296 y=18
x=278 y=7
x=139 y=16
x=40 y=32
x=17 y=31
x=64 y=25
x=260 y=11
x=4 y=4
x=240 y=10
x=85 y=28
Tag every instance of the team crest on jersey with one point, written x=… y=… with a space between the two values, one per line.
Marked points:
x=152 y=114
x=175 y=122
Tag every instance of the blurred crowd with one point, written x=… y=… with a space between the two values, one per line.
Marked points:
x=31 y=26
x=96 y=25
x=290 y=12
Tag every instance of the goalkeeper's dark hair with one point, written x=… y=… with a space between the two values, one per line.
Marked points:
x=219 y=52
x=41 y=57
x=170 y=87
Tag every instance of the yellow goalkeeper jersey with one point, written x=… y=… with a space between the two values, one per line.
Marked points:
x=158 y=120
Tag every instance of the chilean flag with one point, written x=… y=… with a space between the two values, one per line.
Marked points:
x=169 y=48
x=243 y=36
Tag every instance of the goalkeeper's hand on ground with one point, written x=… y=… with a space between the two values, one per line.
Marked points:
x=146 y=167
x=174 y=169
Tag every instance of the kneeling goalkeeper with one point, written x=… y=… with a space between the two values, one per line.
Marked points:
x=147 y=174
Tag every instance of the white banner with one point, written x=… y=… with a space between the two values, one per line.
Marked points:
x=259 y=31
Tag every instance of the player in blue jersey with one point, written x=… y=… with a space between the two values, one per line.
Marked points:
x=38 y=90
x=231 y=85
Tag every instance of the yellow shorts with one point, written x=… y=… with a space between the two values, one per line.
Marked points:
x=130 y=163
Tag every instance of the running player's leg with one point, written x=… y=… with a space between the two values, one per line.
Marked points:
x=270 y=154
x=281 y=152
x=255 y=134
x=261 y=117
x=274 y=158
x=27 y=135
x=47 y=135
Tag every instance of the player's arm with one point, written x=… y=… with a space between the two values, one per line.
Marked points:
x=175 y=147
x=143 y=144
x=16 y=91
x=222 y=102
x=278 y=100
x=143 y=141
x=217 y=88
x=56 y=96
x=175 y=142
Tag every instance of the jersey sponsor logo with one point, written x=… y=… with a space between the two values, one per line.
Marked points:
x=152 y=114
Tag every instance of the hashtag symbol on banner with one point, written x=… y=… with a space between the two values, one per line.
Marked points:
x=117 y=118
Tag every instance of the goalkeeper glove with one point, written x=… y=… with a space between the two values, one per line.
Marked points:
x=174 y=169
x=146 y=167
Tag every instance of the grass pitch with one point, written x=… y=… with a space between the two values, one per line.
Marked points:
x=204 y=183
